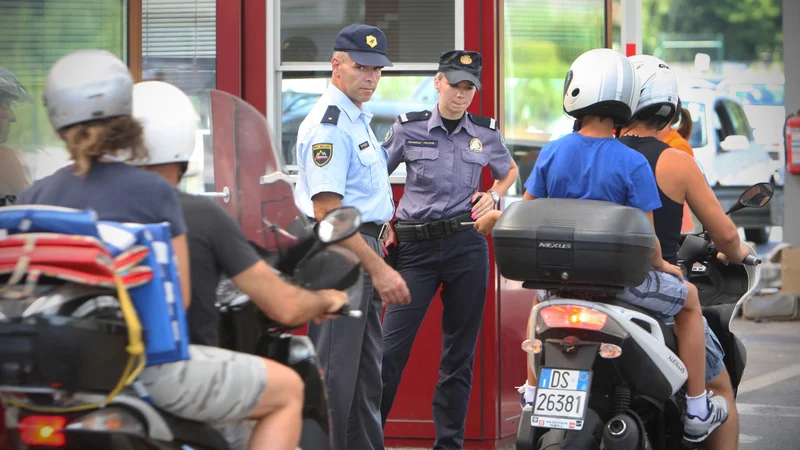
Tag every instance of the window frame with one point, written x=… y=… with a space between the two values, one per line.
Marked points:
x=276 y=70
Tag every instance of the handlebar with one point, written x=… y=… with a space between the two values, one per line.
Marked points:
x=347 y=312
x=751 y=260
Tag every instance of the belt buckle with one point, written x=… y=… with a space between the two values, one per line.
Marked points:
x=383 y=231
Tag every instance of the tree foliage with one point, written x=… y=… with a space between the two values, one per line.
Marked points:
x=749 y=27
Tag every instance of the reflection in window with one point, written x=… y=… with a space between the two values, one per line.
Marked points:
x=199 y=177
x=36 y=33
x=395 y=95
x=179 y=46
x=541 y=39
x=416 y=30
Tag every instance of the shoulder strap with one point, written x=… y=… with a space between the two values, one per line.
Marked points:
x=484 y=121
x=331 y=115
x=414 y=116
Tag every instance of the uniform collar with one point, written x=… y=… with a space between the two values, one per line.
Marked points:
x=347 y=105
x=436 y=121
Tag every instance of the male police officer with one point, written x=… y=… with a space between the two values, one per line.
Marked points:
x=342 y=163
x=445 y=151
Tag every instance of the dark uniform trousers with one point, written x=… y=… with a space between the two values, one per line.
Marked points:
x=350 y=352
x=460 y=263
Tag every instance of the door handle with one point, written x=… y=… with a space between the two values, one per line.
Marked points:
x=225 y=195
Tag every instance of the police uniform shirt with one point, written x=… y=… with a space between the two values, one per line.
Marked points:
x=338 y=152
x=443 y=170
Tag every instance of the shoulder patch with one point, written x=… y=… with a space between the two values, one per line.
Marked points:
x=331 y=115
x=484 y=121
x=414 y=116
x=322 y=154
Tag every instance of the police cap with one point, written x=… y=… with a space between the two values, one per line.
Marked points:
x=365 y=44
x=461 y=65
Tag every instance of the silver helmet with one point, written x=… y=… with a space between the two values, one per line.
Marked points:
x=658 y=89
x=12 y=91
x=601 y=82
x=87 y=85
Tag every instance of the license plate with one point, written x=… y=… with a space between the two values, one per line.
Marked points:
x=561 y=398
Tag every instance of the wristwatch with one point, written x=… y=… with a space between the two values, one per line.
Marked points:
x=495 y=196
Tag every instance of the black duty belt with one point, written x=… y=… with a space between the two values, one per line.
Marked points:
x=421 y=231
x=373 y=229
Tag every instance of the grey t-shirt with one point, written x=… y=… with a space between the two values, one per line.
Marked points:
x=216 y=246
x=116 y=191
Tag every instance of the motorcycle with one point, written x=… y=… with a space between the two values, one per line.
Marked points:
x=608 y=372
x=245 y=328
x=63 y=344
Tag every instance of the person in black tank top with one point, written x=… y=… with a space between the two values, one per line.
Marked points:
x=657 y=104
x=669 y=218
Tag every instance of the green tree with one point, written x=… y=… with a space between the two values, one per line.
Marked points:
x=749 y=27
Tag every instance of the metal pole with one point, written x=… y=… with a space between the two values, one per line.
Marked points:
x=632 y=27
x=791 y=70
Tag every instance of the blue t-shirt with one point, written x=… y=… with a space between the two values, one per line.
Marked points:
x=590 y=168
x=116 y=192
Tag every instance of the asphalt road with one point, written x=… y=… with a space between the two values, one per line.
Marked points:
x=769 y=395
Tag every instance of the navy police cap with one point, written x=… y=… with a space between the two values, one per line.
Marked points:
x=365 y=44
x=461 y=65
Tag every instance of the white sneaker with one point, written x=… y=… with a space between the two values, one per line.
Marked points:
x=696 y=429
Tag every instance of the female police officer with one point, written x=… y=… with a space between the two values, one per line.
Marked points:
x=445 y=151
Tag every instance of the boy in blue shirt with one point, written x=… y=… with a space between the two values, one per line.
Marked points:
x=600 y=91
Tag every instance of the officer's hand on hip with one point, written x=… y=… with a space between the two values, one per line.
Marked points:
x=482 y=204
x=391 y=287
x=485 y=224
x=388 y=240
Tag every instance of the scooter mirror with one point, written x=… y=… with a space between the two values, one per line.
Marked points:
x=757 y=195
x=338 y=225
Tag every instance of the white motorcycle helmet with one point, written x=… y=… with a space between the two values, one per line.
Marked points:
x=169 y=120
x=601 y=82
x=659 y=90
x=87 y=85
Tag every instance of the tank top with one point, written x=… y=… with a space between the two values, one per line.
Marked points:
x=669 y=218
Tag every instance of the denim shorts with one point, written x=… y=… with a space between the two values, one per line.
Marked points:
x=660 y=293
x=664 y=295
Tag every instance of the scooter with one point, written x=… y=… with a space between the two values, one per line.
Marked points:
x=608 y=372
x=60 y=348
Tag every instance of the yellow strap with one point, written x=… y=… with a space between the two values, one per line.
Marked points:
x=135 y=349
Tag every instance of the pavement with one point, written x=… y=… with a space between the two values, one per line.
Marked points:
x=769 y=395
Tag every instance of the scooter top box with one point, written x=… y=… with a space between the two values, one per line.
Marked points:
x=553 y=243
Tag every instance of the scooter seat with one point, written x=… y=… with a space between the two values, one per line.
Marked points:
x=670 y=340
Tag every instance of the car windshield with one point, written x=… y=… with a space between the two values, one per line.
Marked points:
x=762 y=94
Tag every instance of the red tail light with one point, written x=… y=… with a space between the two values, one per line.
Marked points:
x=570 y=316
x=43 y=431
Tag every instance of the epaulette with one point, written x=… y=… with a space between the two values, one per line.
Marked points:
x=331 y=115
x=414 y=116
x=484 y=121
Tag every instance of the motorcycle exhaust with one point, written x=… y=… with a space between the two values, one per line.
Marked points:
x=623 y=432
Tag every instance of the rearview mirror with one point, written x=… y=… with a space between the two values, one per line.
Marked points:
x=735 y=143
x=338 y=225
x=756 y=196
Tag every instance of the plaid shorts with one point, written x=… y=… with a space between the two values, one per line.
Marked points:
x=660 y=293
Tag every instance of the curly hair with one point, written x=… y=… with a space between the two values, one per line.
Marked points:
x=88 y=141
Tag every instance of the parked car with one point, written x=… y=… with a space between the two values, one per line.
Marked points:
x=725 y=147
x=762 y=96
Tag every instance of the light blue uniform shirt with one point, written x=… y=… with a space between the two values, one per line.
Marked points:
x=342 y=156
